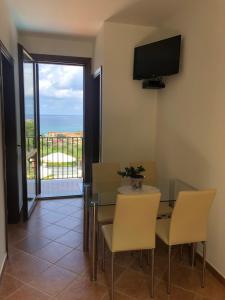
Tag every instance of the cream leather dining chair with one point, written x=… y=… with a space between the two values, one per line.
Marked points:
x=105 y=178
x=188 y=224
x=150 y=178
x=133 y=228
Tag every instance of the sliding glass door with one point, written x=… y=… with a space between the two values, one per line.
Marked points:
x=29 y=130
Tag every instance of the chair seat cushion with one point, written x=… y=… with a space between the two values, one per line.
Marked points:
x=106 y=214
x=107 y=233
x=162 y=230
x=164 y=209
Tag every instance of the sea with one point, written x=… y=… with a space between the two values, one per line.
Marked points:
x=61 y=123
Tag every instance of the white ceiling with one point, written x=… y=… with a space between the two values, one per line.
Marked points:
x=85 y=17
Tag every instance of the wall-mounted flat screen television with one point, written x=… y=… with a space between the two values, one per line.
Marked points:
x=157 y=59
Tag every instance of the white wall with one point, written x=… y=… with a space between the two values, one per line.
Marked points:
x=55 y=45
x=8 y=35
x=98 y=60
x=128 y=111
x=190 y=120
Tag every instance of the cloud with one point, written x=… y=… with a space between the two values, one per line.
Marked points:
x=61 y=89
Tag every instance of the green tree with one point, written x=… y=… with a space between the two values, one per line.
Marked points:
x=29 y=128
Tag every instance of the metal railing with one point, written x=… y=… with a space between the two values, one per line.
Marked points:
x=60 y=157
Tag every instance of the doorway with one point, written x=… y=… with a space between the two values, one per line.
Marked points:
x=59 y=153
x=61 y=129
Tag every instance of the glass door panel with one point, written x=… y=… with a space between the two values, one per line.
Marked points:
x=29 y=130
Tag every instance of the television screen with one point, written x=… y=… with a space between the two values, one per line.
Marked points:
x=157 y=59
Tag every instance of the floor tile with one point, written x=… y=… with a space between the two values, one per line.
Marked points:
x=53 y=280
x=8 y=286
x=198 y=297
x=176 y=293
x=68 y=222
x=124 y=258
x=71 y=239
x=16 y=233
x=28 y=293
x=213 y=289
x=83 y=289
x=160 y=267
x=67 y=210
x=78 y=228
x=60 y=269
x=105 y=277
x=34 y=225
x=25 y=267
x=39 y=212
x=32 y=243
x=184 y=277
x=76 y=261
x=53 y=252
x=117 y=296
x=51 y=204
x=134 y=284
x=13 y=250
x=52 y=217
x=78 y=214
x=53 y=232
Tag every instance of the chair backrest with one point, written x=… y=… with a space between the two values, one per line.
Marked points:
x=135 y=221
x=104 y=176
x=190 y=216
x=150 y=171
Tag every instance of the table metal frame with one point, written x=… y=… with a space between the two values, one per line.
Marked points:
x=91 y=211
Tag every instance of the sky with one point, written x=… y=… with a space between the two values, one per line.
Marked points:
x=60 y=89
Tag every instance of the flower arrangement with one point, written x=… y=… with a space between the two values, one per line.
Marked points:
x=134 y=174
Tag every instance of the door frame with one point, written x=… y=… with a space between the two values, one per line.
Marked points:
x=87 y=102
x=4 y=52
x=98 y=98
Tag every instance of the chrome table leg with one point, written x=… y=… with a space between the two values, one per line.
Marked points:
x=86 y=218
x=203 y=264
x=112 y=276
x=193 y=255
x=153 y=273
x=103 y=254
x=94 y=243
x=169 y=271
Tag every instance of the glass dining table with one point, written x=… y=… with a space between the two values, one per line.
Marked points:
x=93 y=200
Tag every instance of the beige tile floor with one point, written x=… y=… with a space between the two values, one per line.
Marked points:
x=46 y=262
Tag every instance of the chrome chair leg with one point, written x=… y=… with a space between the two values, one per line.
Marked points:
x=152 y=273
x=203 y=264
x=169 y=271
x=86 y=219
x=94 y=243
x=112 y=276
x=103 y=255
x=193 y=255
x=141 y=259
x=148 y=257
x=181 y=251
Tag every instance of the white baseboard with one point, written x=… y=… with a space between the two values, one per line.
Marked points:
x=211 y=265
x=2 y=265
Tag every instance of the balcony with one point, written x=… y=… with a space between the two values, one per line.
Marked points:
x=60 y=165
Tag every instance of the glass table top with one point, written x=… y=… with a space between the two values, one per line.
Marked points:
x=108 y=197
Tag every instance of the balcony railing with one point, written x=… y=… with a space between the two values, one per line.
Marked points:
x=60 y=157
